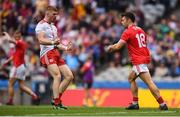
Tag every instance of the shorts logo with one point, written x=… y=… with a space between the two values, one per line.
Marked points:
x=50 y=60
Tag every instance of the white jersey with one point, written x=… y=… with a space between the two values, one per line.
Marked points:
x=50 y=31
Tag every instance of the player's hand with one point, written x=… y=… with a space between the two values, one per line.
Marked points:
x=7 y=35
x=56 y=41
x=109 y=48
x=69 y=46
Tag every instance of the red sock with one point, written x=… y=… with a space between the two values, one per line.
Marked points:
x=60 y=95
x=34 y=96
x=56 y=101
x=10 y=100
x=160 y=100
x=135 y=100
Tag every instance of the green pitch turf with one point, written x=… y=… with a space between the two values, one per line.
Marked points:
x=83 y=111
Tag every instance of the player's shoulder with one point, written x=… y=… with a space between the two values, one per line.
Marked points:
x=127 y=31
x=42 y=23
x=138 y=28
x=20 y=42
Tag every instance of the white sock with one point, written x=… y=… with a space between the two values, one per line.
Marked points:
x=162 y=104
x=135 y=102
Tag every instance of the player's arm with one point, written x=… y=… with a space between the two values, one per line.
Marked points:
x=6 y=62
x=9 y=38
x=83 y=68
x=44 y=41
x=116 y=46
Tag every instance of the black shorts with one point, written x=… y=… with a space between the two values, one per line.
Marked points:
x=88 y=85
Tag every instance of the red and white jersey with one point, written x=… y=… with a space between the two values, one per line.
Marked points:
x=50 y=32
x=18 y=56
x=136 y=39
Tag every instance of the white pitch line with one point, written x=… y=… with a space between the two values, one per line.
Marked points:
x=109 y=113
x=57 y=115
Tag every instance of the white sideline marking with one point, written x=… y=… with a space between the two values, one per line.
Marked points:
x=57 y=115
x=108 y=114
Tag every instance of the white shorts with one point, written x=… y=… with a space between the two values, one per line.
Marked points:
x=18 y=72
x=140 y=68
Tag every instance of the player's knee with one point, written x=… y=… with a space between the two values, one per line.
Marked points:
x=132 y=77
x=21 y=86
x=56 y=75
x=70 y=76
x=10 y=83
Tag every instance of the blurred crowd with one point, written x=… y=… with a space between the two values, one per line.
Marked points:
x=92 y=25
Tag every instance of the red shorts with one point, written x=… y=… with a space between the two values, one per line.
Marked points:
x=52 y=57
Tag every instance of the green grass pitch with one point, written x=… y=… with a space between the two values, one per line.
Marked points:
x=84 y=111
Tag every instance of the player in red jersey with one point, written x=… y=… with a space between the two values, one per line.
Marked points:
x=18 y=71
x=136 y=39
x=50 y=42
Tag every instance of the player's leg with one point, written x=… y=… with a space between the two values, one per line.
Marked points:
x=146 y=77
x=55 y=73
x=133 y=86
x=11 y=91
x=89 y=93
x=11 y=82
x=21 y=76
x=134 y=90
x=27 y=90
x=68 y=77
x=86 y=97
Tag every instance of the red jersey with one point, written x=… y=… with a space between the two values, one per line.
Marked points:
x=18 y=56
x=136 y=39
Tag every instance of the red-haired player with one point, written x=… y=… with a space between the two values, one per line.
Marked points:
x=50 y=58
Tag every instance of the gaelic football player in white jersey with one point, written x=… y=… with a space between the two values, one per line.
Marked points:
x=50 y=58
